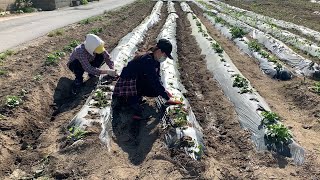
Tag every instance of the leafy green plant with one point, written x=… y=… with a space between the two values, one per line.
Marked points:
x=278 y=133
x=217 y=48
x=218 y=19
x=264 y=54
x=100 y=99
x=272 y=59
x=53 y=58
x=96 y=31
x=269 y=118
x=83 y=2
x=278 y=67
x=3 y=72
x=241 y=83
x=2 y=117
x=198 y=23
x=254 y=45
x=316 y=87
x=76 y=133
x=5 y=54
x=13 y=101
x=71 y=46
x=37 y=77
x=57 y=32
x=237 y=32
x=179 y=116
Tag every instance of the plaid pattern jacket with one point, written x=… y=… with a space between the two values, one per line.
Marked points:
x=85 y=58
x=134 y=76
x=126 y=87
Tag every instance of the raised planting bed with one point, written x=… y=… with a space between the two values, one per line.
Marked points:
x=249 y=105
x=183 y=132
x=301 y=65
x=98 y=106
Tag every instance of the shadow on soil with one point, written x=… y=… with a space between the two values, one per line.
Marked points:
x=136 y=137
x=64 y=100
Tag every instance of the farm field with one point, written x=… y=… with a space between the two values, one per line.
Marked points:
x=239 y=119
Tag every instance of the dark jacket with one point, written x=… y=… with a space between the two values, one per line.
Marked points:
x=146 y=71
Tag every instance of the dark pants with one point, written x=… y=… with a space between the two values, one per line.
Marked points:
x=76 y=67
x=144 y=89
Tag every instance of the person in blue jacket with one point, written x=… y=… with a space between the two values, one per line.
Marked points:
x=141 y=77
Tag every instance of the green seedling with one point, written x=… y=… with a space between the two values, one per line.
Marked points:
x=71 y=46
x=218 y=20
x=278 y=133
x=254 y=46
x=53 y=58
x=37 y=77
x=278 y=67
x=96 y=31
x=58 y=32
x=3 y=72
x=194 y=17
x=269 y=118
x=100 y=99
x=199 y=152
x=23 y=93
x=272 y=59
x=13 y=101
x=217 y=48
x=2 y=117
x=76 y=133
x=5 y=54
x=316 y=87
x=83 y=2
x=241 y=83
x=237 y=32
x=198 y=23
x=74 y=43
x=264 y=54
x=179 y=116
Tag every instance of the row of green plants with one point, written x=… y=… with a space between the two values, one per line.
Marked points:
x=275 y=131
x=178 y=114
x=198 y=23
x=255 y=46
x=302 y=45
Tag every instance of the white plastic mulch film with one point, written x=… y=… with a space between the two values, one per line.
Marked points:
x=280 y=23
x=125 y=50
x=247 y=102
x=301 y=65
x=182 y=129
x=267 y=66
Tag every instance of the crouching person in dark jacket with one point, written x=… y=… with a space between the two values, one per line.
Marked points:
x=141 y=77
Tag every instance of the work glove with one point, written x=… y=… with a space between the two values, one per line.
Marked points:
x=111 y=72
x=169 y=94
x=173 y=102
